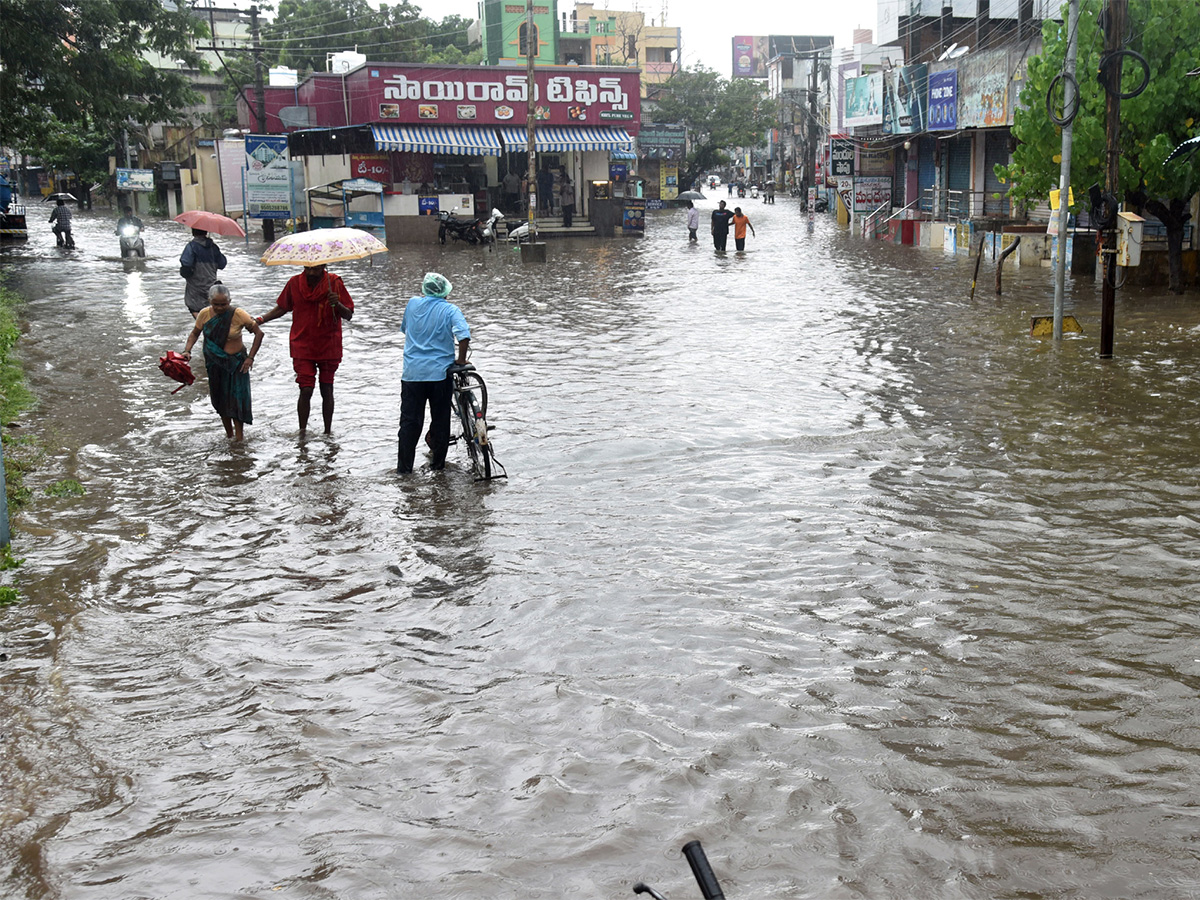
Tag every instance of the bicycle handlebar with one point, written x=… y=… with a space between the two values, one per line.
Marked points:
x=703 y=871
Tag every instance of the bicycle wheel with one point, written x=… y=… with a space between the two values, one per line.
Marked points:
x=475 y=437
x=473 y=382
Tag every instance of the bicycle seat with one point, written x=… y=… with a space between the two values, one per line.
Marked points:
x=455 y=368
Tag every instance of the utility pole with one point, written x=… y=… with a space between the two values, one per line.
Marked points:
x=260 y=103
x=812 y=131
x=1064 y=176
x=1117 y=11
x=536 y=249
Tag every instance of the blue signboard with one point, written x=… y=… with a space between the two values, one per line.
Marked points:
x=943 y=100
x=428 y=206
x=135 y=180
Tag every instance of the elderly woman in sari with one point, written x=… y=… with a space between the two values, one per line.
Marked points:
x=226 y=358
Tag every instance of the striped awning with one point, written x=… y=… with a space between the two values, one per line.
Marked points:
x=561 y=138
x=462 y=140
x=622 y=154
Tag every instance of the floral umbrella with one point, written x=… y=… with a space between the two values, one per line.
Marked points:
x=321 y=246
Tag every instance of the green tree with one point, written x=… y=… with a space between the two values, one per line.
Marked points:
x=305 y=32
x=77 y=65
x=1152 y=124
x=719 y=115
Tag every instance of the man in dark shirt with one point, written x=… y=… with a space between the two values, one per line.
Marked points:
x=721 y=218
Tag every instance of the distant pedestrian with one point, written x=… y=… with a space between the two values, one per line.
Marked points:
x=512 y=191
x=199 y=263
x=740 y=224
x=730 y=187
x=566 y=195
x=721 y=218
x=693 y=222
x=545 y=187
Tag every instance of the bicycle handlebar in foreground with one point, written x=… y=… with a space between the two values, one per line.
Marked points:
x=700 y=869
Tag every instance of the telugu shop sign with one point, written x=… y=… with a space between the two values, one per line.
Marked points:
x=499 y=96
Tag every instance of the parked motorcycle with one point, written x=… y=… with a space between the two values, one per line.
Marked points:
x=490 y=226
x=450 y=225
x=131 y=240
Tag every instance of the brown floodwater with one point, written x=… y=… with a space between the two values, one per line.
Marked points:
x=803 y=553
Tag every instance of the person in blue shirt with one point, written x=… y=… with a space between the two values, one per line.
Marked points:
x=434 y=329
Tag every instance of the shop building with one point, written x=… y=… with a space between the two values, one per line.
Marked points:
x=440 y=137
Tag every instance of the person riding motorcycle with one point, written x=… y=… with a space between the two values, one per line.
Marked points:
x=129 y=230
x=129 y=219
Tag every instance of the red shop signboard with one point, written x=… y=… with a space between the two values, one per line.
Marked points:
x=375 y=166
x=475 y=95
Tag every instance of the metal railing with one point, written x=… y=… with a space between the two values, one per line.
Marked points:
x=871 y=222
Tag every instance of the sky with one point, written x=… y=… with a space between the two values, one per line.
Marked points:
x=708 y=26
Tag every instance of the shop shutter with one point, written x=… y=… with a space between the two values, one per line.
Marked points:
x=926 y=170
x=958 y=176
x=995 y=153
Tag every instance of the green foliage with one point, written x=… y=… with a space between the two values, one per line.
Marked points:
x=305 y=31
x=719 y=115
x=68 y=487
x=8 y=561
x=1152 y=124
x=9 y=596
x=78 y=65
x=20 y=453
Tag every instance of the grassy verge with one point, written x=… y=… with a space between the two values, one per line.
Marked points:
x=21 y=452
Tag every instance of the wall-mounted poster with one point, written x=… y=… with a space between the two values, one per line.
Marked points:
x=943 y=100
x=864 y=100
x=634 y=219
x=905 y=99
x=135 y=180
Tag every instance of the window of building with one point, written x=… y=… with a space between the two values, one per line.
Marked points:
x=523 y=40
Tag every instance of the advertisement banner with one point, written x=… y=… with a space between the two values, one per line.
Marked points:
x=864 y=100
x=668 y=181
x=750 y=56
x=841 y=156
x=845 y=189
x=983 y=90
x=375 y=166
x=231 y=159
x=135 y=180
x=662 y=141
x=871 y=193
x=634 y=220
x=905 y=99
x=874 y=162
x=268 y=177
x=943 y=101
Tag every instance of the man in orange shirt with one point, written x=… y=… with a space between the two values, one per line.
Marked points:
x=740 y=223
x=318 y=302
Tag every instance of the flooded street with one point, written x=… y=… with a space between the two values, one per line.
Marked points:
x=802 y=553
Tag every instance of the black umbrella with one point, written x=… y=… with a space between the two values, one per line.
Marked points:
x=1187 y=148
x=59 y=196
x=692 y=195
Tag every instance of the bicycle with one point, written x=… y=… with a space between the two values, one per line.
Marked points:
x=700 y=869
x=469 y=405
